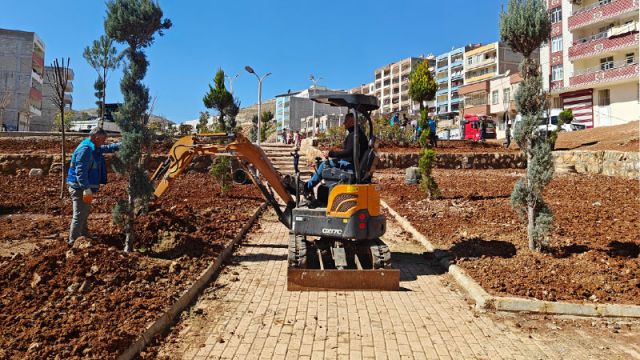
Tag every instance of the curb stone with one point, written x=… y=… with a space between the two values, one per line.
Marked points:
x=164 y=321
x=484 y=300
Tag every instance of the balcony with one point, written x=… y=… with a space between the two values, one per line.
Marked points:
x=457 y=63
x=442 y=91
x=598 y=13
x=485 y=62
x=455 y=100
x=619 y=70
x=442 y=68
x=68 y=98
x=442 y=80
x=456 y=76
x=604 y=42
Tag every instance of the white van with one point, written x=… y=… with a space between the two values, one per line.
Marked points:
x=549 y=123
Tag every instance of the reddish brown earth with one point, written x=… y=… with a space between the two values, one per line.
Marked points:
x=592 y=253
x=51 y=145
x=620 y=137
x=94 y=301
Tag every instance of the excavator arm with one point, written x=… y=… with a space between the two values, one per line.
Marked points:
x=185 y=149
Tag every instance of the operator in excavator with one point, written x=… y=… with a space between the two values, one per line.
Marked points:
x=344 y=157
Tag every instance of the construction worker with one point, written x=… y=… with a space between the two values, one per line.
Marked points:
x=345 y=156
x=86 y=172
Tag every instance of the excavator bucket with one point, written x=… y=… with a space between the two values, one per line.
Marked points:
x=331 y=279
x=330 y=264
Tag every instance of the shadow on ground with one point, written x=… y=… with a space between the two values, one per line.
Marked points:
x=476 y=247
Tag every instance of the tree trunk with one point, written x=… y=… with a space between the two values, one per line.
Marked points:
x=104 y=97
x=530 y=207
x=129 y=227
x=64 y=156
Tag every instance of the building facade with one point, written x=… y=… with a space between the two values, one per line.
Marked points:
x=449 y=77
x=365 y=89
x=591 y=63
x=392 y=85
x=501 y=101
x=21 y=77
x=44 y=122
x=293 y=107
x=480 y=65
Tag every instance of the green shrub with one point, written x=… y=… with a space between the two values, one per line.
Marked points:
x=221 y=172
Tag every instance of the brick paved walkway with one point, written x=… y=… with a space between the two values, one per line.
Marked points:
x=248 y=314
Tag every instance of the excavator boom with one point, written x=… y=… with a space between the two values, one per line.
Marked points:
x=186 y=148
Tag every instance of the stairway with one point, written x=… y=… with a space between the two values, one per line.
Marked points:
x=280 y=156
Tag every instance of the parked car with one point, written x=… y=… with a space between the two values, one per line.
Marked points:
x=550 y=123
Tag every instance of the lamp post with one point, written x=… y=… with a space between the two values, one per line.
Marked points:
x=250 y=71
x=313 y=111
x=231 y=78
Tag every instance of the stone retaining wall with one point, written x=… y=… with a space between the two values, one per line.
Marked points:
x=605 y=162
x=456 y=161
x=611 y=163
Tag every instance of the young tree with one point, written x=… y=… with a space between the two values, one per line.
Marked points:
x=422 y=88
x=134 y=22
x=524 y=27
x=203 y=121
x=59 y=81
x=98 y=86
x=220 y=99
x=103 y=57
x=267 y=128
x=58 y=123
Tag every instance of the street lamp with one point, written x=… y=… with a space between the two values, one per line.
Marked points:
x=231 y=78
x=251 y=71
x=313 y=111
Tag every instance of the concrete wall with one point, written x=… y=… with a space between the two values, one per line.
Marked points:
x=624 y=107
x=611 y=163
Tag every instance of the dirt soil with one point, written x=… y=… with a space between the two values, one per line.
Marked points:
x=592 y=253
x=620 y=137
x=92 y=300
x=51 y=145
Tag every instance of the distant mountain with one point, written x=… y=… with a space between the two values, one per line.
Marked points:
x=163 y=121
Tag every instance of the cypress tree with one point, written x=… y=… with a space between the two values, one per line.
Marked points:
x=220 y=99
x=134 y=22
x=524 y=27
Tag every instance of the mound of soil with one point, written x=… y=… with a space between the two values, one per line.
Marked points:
x=92 y=300
x=619 y=137
x=592 y=252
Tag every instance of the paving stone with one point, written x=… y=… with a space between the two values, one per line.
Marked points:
x=258 y=318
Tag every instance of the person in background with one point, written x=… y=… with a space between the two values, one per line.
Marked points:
x=288 y=139
x=433 y=138
x=405 y=121
x=87 y=172
x=297 y=139
x=394 y=119
x=284 y=136
x=507 y=132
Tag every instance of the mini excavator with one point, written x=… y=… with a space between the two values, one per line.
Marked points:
x=334 y=242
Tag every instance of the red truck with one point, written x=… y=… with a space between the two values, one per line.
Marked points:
x=473 y=127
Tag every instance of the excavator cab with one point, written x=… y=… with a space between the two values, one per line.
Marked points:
x=334 y=245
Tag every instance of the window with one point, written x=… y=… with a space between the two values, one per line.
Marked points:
x=556 y=43
x=469 y=60
x=556 y=15
x=630 y=58
x=603 y=2
x=477 y=98
x=494 y=97
x=606 y=63
x=557 y=73
x=557 y=103
x=603 y=98
x=506 y=96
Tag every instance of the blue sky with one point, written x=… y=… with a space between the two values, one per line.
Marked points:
x=340 y=41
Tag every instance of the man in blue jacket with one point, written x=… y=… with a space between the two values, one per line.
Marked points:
x=86 y=172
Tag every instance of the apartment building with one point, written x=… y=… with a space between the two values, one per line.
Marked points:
x=293 y=107
x=44 y=122
x=480 y=65
x=392 y=85
x=591 y=63
x=21 y=77
x=502 y=106
x=449 y=77
x=365 y=89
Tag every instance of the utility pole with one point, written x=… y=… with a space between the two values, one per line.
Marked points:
x=313 y=111
x=231 y=78
x=251 y=71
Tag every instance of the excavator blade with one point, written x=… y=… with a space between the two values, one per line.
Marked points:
x=331 y=279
